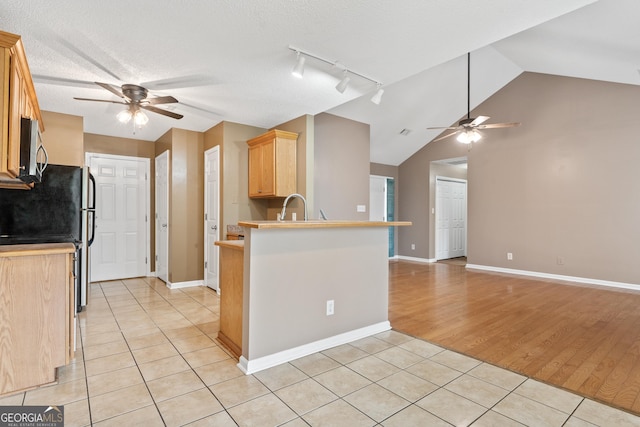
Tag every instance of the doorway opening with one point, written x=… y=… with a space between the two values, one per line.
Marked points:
x=122 y=245
x=382 y=204
x=450 y=218
x=211 y=217
x=162 y=216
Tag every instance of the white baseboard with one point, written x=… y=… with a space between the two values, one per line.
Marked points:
x=178 y=285
x=410 y=258
x=252 y=366
x=584 y=280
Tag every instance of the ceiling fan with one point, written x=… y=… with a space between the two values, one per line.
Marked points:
x=135 y=97
x=467 y=129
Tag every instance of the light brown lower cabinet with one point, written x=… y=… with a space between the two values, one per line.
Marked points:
x=37 y=307
x=231 y=293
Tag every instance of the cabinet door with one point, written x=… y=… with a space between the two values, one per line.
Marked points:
x=255 y=171
x=70 y=340
x=17 y=106
x=269 y=168
x=34 y=324
x=262 y=170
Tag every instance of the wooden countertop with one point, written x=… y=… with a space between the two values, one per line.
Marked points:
x=320 y=224
x=36 y=249
x=231 y=244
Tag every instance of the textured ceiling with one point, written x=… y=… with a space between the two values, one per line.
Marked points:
x=229 y=60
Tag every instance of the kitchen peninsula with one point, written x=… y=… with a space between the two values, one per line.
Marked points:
x=309 y=286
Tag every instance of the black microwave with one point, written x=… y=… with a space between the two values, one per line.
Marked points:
x=33 y=156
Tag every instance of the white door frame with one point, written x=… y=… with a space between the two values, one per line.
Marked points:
x=208 y=244
x=445 y=178
x=165 y=154
x=384 y=207
x=147 y=189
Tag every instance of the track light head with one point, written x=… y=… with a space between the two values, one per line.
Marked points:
x=298 y=69
x=378 y=95
x=340 y=87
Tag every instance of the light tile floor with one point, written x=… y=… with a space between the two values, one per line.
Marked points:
x=148 y=355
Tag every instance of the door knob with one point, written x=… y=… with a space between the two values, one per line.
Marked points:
x=214 y=227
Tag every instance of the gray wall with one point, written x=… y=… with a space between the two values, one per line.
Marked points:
x=291 y=274
x=415 y=200
x=561 y=192
x=341 y=167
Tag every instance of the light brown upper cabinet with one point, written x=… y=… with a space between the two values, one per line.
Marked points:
x=17 y=100
x=272 y=164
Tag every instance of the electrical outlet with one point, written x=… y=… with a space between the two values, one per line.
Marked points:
x=361 y=208
x=330 y=307
x=413 y=246
x=509 y=256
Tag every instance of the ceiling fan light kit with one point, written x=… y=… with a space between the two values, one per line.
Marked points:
x=298 y=71
x=136 y=99
x=467 y=129
x=469 y=136
x=140 y=118
x=124 y=116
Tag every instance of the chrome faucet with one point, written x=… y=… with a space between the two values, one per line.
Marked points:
x=284 y=205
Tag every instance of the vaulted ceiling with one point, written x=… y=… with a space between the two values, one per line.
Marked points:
x=230 y=60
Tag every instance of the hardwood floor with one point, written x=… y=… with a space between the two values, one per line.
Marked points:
x=582 y=338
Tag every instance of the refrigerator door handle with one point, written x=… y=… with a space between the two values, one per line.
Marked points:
x=92 y=209
x=92 y=203
x=92 y=217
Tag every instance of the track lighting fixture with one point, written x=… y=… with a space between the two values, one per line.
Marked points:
x=378 y=95
x=298 y=70
x=340 y=87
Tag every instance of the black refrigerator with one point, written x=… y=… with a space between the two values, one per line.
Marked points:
x=59 y=209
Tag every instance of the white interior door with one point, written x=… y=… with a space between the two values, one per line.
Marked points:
x=120 y=248
x=451 y=218
x=377 y=198
x=162 y=216
x=211 y=216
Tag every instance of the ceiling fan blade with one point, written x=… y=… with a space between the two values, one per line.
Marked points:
x=111 y=89
x=180 y=82
x=444 y=136
x=100 y=100
x=498 y=125
x=450 y=128
x=161 y=100
x=479 y=120
x=61 y=81
x=161 y=111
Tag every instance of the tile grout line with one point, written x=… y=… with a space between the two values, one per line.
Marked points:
x=177 y=350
